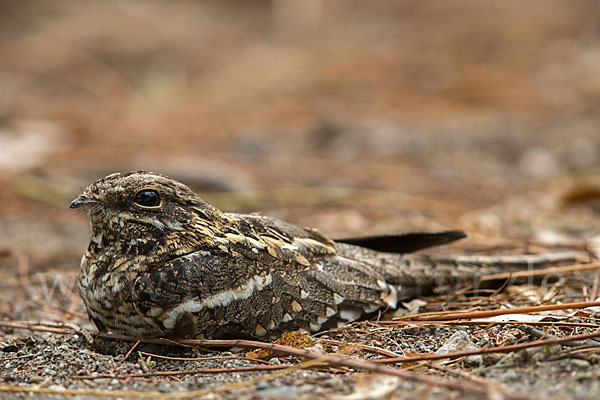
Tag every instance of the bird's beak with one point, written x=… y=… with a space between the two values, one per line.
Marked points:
x=80 y=200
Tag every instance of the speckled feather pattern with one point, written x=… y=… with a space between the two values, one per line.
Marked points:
x=185 y=269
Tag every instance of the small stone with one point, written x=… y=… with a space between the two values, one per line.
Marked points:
x=578 y=363
x=263 y=385
x=329 y=382
x=459 y=341
x=164 y=388
x=307 y=387
x=36 y=379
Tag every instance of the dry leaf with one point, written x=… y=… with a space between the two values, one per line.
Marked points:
x=295 y=339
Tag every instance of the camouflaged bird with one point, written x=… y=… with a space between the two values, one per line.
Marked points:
x=163 y=262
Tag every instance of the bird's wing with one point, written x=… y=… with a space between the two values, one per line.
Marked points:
x=218 y=295
x=272 y=277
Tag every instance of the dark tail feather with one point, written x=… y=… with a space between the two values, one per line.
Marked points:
x=407 y=242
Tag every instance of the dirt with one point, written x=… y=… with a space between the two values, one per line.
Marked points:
x=353 y=117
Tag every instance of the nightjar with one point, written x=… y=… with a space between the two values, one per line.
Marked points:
x=163 y=262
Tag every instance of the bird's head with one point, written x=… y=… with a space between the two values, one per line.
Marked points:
x=137 y=204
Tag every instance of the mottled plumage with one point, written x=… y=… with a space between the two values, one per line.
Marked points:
x=163 y=262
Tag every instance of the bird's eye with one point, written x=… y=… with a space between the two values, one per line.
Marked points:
x=147 y=198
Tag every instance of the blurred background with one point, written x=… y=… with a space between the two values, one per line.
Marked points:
x=351 y=116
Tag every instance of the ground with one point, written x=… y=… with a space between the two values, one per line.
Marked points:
x=354 y=117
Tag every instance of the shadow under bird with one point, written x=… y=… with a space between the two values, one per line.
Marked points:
x=163 y=262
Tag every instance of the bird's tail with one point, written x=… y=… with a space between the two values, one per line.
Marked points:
x=418 y=275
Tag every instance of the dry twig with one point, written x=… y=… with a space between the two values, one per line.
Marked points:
x=185 y=372
x=541 y=272
x=450 y=315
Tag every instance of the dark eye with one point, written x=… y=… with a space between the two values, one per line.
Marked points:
x=147 y=198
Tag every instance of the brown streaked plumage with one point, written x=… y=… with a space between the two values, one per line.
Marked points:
x=163 y=262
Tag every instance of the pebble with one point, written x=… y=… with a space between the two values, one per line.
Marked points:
x=164 y=387
x=459 y=341
x=263 y=385
x=330 y=382
x=576 y=362
x=307 y=387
